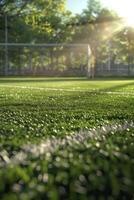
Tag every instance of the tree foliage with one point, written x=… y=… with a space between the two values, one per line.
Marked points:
x=48 y=21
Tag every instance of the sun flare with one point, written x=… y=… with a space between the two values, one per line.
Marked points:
x=129 y=19
x=127 y=12
x=125 y=9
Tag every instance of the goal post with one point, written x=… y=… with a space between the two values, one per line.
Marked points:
x=58 y=59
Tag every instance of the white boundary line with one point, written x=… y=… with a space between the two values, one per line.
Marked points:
x=52 y=144
x=67 y=90
x=38 y=88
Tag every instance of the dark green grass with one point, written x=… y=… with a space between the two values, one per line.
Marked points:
x=86 y=171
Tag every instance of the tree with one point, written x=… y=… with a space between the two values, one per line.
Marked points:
x=98 y=27
x=12 y=7
x=88 y=30
x=42 y=21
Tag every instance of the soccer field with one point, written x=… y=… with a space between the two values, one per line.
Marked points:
x=66 y=138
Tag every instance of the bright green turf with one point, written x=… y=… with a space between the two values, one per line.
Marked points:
x=71 y=83
x=32 y=115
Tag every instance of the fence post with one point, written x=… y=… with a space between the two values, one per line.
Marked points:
x=6 y=46
x=88 y=62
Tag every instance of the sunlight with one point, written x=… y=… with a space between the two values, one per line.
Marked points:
x=129 y=19
x=128 y=13
x=125 y=8
x=110 y=29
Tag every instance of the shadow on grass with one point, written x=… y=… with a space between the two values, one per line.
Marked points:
x=117 y=87
x=56 y=79
x=41 y=79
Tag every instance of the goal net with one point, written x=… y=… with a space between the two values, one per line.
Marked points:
x=44 y=59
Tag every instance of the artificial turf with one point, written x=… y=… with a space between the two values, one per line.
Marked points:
x=35 y=109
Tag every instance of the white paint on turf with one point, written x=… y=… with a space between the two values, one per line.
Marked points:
x=52 y=144
x=93 y=90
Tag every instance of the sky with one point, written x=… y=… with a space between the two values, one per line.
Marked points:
x=76 y=6
x=121 y=6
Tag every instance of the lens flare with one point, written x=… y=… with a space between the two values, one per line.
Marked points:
x=124 y=8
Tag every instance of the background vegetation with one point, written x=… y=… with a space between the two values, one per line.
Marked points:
x=47 y=21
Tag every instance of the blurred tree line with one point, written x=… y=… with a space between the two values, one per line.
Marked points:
x=48 y=21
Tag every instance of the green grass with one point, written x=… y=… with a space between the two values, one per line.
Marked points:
x=34 y=109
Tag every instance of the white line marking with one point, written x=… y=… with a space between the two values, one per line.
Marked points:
x=40 y=88
x=52 y=144
x=97 y=91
